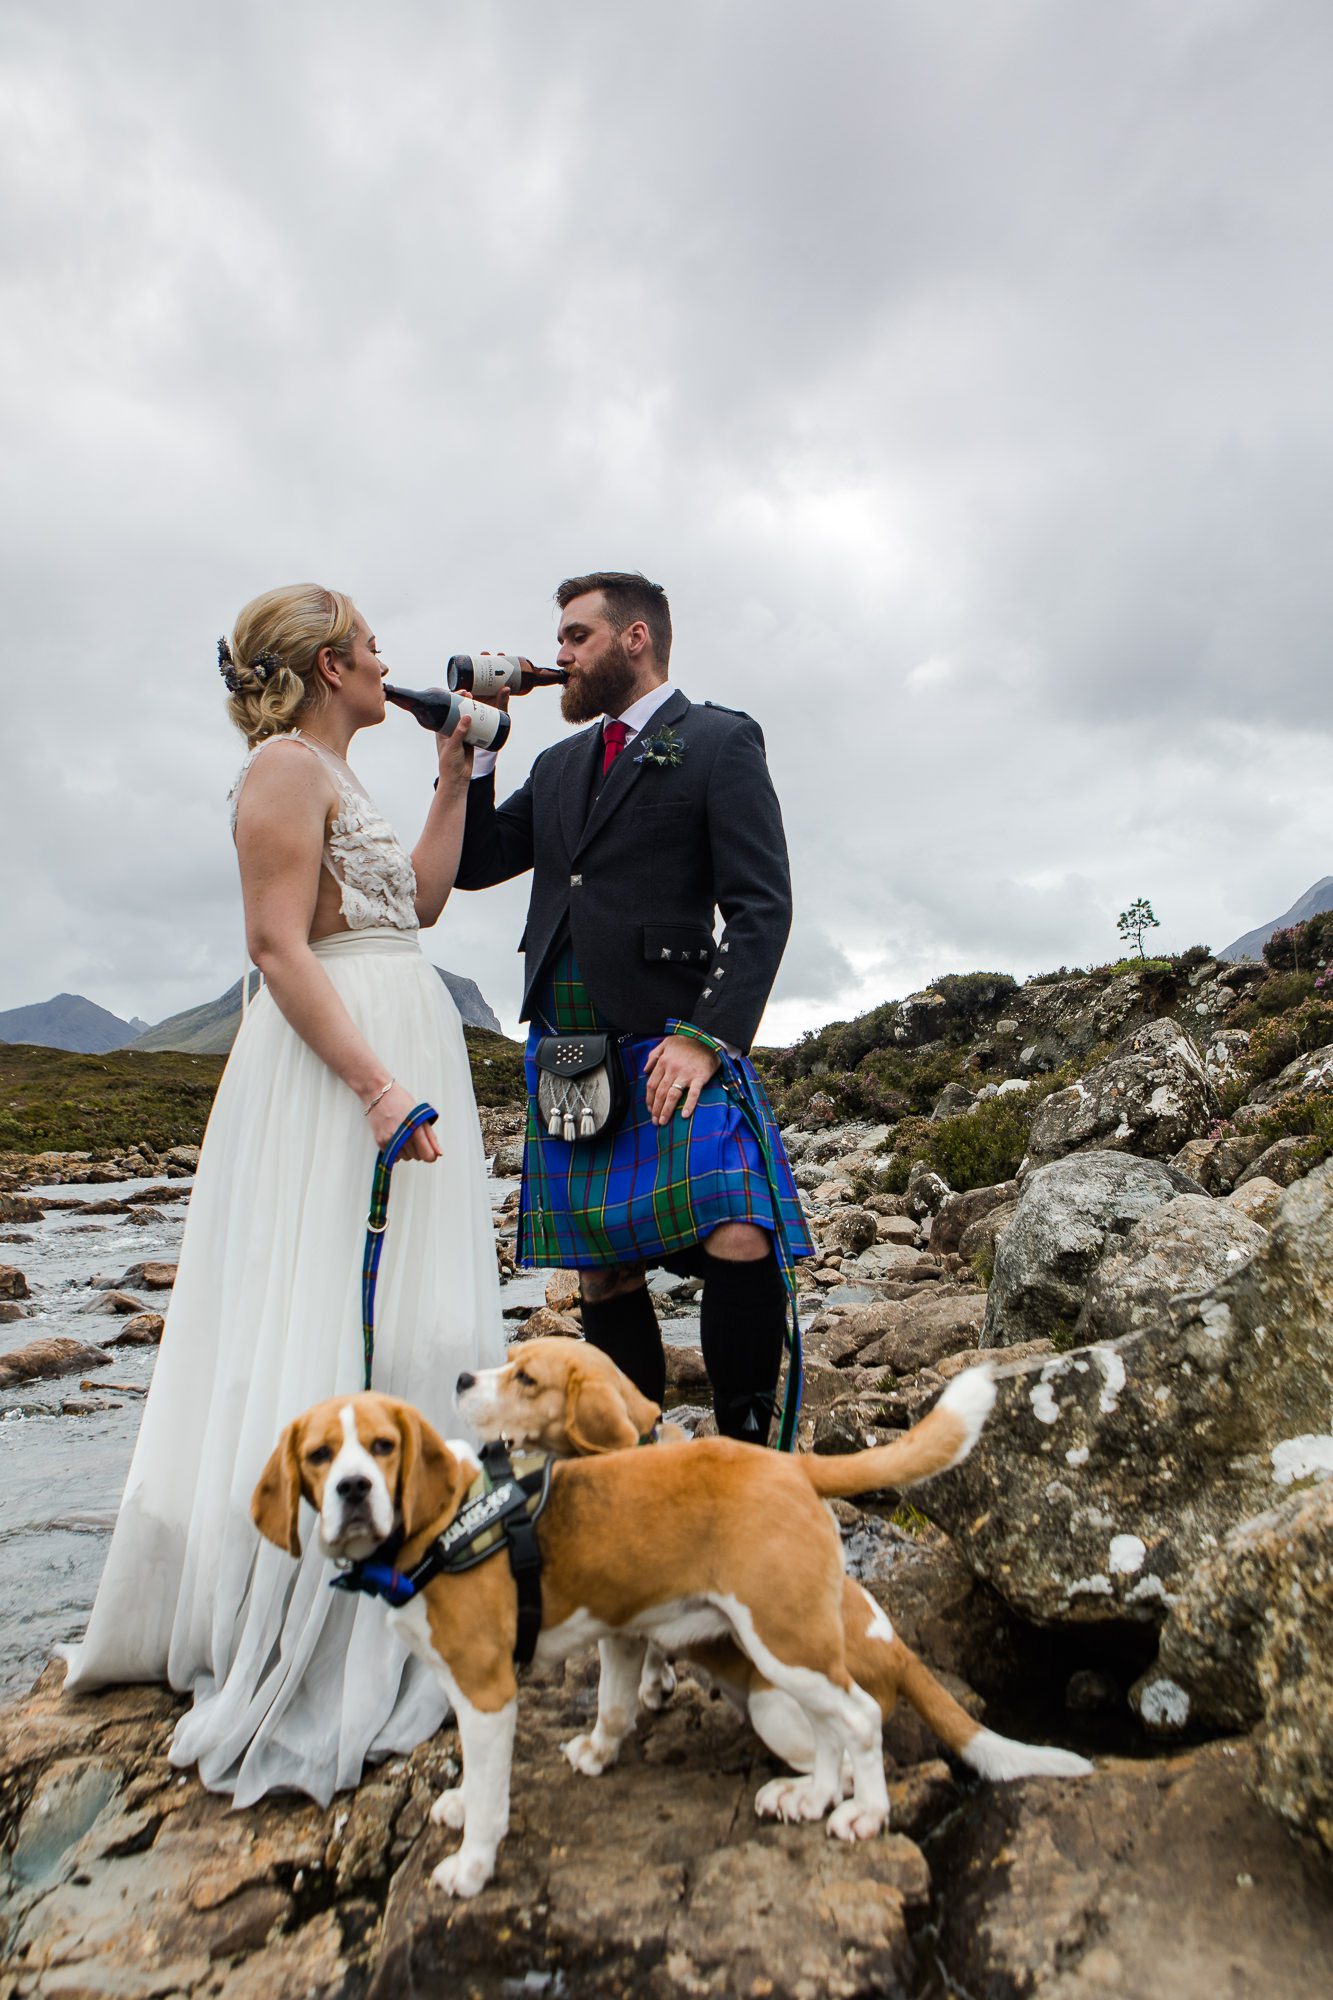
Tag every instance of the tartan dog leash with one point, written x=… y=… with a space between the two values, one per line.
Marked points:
x=377 y=1221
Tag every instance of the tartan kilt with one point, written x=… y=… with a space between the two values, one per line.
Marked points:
x=643 y=1191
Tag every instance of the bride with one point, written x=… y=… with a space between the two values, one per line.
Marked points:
x=294 y=1684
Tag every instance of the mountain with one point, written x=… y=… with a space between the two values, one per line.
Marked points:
x=211 y=1029
x=69 y=1022
x=467 y=997
x=1311 y=904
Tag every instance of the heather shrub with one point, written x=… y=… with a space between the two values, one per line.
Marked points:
x=972 y=1149
x=1302 y=947
x=1277 y=994
x=1299 y=1115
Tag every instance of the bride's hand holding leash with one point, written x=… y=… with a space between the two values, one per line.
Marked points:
x=386 y=1112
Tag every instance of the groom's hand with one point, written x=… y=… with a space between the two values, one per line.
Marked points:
x=677 y=1070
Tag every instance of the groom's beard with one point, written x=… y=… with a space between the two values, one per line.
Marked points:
x=603 y=689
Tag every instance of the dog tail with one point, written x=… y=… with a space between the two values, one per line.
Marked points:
x=943 y=1438
x=988 y=1754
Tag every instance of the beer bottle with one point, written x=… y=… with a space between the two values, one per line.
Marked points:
x=491 y=673
x=441 y=709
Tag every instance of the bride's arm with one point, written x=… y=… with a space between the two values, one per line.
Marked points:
x=435 y=856
x=280 y=825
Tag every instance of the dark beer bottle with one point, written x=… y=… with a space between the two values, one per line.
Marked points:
x=491 y=673
x=440 y=709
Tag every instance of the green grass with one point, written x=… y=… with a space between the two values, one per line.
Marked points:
x=54 y=1101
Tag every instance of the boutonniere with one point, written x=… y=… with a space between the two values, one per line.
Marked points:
x=664 y=748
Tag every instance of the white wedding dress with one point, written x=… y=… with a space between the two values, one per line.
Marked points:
x=295 y=1684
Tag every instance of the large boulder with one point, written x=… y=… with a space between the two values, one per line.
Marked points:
x=1217 y=1164
x=1189 y=1245
x=1296 y=1674
x=1106 y=1475
x=1150 y=1096
x=1250 y=1640
x=1068 y=1214
x=960 y=1211
x=922 y=1331
x=1301 y=1078
x=1207 y=1670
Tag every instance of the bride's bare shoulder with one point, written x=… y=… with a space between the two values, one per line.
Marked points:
x=283 y=775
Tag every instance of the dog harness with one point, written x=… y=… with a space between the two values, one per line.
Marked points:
x=503 y=1505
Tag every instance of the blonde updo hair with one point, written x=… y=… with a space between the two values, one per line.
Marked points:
x=269 y=667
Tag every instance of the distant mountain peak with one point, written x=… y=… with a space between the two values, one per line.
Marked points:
x=1317 y=898
x=69 y=1021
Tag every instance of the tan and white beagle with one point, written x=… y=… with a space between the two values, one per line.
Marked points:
x=567 y=1397
x=681 y=1544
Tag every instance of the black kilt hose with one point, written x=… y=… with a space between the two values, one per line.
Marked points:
x=629 y=872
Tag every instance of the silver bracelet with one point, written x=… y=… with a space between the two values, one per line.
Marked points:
x=378 y=1095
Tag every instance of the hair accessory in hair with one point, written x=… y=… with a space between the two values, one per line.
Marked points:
x=264 y=665
x=227 y=668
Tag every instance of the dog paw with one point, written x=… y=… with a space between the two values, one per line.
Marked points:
x=448 y=1809
x=657 y=1685
x=791 y=1798
x=851 y=1821
x=586 y=1755
x=463 y=1874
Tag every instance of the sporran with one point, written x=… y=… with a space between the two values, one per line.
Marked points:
x=581 y=1087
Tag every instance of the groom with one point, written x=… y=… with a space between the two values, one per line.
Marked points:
x=636 y=831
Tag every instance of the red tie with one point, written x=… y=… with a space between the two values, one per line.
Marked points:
x=615 y=735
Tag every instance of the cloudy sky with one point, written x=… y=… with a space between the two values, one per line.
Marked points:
x=962 y=371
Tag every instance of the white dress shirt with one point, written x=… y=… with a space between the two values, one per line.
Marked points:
x=635 y=718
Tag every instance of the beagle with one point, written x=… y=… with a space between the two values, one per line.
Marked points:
x=567 y=1397
x=681 y=1544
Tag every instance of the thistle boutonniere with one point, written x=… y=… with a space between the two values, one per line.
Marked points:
x=663 y=748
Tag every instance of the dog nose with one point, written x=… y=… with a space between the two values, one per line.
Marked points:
x=464 y=1381
x=354 y=1487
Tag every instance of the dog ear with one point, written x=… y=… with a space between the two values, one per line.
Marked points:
x=429 y=1471
x=597 y=1419
x=275 y=1505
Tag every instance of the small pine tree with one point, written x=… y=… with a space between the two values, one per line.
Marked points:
x=1133 y=922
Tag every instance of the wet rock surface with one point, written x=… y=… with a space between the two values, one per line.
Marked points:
x=125 y=1878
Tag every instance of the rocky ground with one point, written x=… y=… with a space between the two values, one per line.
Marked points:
x=1120 y=1195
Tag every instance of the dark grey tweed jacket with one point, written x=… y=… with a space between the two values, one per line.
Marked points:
x=633 y=873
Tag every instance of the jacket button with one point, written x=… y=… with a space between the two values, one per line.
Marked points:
x=576 y=881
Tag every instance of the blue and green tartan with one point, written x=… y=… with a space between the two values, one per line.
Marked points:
x=645 y=1190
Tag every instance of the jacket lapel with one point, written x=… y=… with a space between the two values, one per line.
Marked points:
x=577 y=779
x=624 y=773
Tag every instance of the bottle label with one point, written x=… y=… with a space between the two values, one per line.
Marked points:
x=488 y=724
x=485 y=673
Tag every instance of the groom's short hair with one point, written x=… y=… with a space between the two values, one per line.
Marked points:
x=627 y=596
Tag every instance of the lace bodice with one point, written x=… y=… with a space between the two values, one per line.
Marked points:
x=362 y=852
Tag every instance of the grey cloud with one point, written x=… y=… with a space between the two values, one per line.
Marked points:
x=964 y=385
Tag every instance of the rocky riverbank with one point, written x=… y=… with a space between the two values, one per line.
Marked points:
x=1115 y=1186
